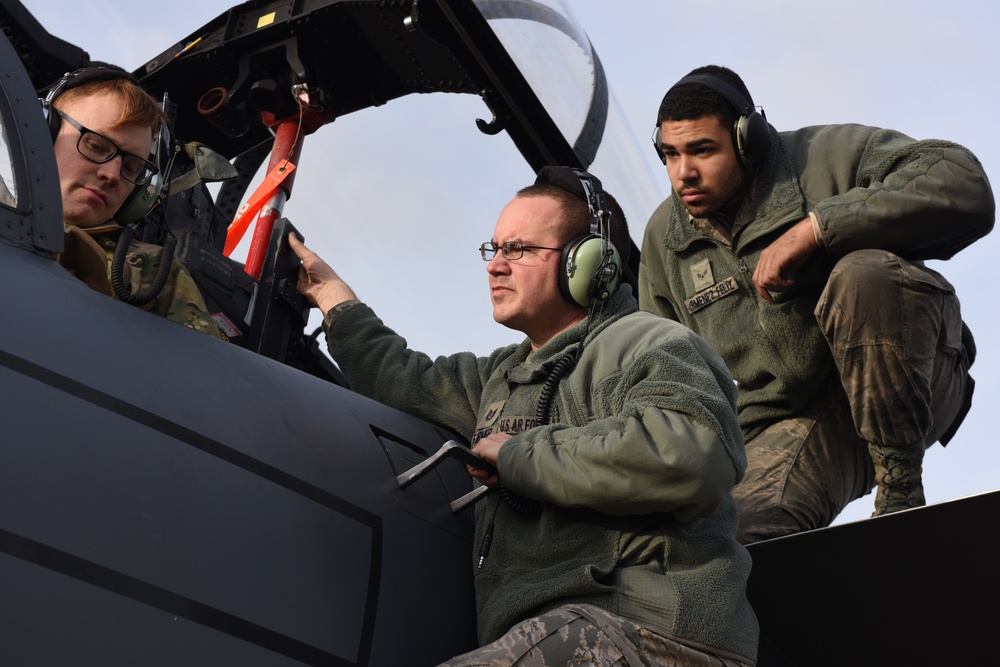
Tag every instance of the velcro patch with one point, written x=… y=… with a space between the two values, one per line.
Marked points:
x=701 y=274
x=492 y=412
x=712 y=294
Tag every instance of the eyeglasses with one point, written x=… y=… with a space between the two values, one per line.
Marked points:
x=99 y=149
x=511 y=250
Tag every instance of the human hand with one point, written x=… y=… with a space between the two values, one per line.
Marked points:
x=318 y=283
x=778 y=263
x=488 y=449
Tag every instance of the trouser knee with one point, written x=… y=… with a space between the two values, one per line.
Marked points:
x=895 y=332
x=860 y=283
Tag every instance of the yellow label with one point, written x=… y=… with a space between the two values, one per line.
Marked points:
x=265 y=20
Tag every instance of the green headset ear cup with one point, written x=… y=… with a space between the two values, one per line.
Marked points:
x=751 y=138
x=582 y=261
x=140 y=201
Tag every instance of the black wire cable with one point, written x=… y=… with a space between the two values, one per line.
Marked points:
x=125 y=237
x=122 y=290
x=516 y=503
x=548 y=393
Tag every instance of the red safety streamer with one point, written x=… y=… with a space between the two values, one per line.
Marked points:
x=249 y=210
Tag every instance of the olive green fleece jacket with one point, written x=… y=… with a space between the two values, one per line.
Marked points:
x=633 y=472
x=869 y=188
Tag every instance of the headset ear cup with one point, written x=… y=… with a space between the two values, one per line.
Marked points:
x=566 y=274
x=139 y=202
x=52 y=119
x=752 y=138
x=143 y=198
x=586 y=275
x=608 y=276
x=758 y=137
x=739 y=143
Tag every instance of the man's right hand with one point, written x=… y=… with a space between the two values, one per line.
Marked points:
x=778 y=263
x=488 y=449
x=318 y=283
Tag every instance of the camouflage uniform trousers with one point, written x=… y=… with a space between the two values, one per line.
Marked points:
x=585 y=636
x=896 y=334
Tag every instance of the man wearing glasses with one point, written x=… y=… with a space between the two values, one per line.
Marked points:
x=608 y=536
x=103 y=125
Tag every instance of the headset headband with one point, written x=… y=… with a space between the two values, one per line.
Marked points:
x=85 y=75
x=584 y=185
x=721 y=86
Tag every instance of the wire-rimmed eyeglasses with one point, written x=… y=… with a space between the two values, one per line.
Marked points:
x=511 y=250
x=99 y=149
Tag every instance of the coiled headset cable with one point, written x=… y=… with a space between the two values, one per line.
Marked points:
x=122 y=290
x=542 y=411
x=518 y=504
x=125 y=237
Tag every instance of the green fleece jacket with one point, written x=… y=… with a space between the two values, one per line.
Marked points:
x=632 y=473
x=869 y=188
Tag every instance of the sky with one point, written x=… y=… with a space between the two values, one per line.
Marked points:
x=397 y=199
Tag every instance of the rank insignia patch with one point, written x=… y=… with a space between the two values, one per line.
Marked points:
x=492 y=412
x=701 y=274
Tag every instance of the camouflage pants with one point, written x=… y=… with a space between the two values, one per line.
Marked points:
x=895 y=331
x=586 y=636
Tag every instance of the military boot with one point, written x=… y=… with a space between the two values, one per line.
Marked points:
x=898 y=478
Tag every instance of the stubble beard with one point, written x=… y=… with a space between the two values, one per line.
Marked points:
x=727 y=198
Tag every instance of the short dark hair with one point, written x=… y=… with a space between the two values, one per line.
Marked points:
x=694 y=100
x=576 y=215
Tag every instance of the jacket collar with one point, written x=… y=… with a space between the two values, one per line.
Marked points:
x=525 y=365
x=106 y=228
x=777 y=192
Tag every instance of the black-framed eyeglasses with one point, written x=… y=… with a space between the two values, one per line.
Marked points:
x=99 y=149
x=511 y=250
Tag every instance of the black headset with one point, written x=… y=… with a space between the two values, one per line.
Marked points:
x=591 y=264
x=751 y=135
x=143 y=197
